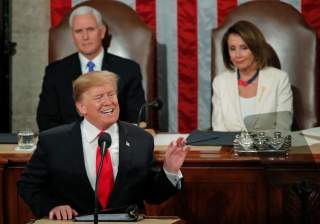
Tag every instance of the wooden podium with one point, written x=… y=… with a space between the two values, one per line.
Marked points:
x=147 y=220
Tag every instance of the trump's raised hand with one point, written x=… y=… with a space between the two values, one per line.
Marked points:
x=175 y=155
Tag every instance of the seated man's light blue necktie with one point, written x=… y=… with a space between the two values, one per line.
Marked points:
x=90 y=66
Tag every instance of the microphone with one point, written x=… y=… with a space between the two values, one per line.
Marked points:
x=104 y=142
x=156 y=104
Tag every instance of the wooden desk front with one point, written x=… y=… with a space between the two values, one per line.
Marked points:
x=219 y=187
x=15 y=211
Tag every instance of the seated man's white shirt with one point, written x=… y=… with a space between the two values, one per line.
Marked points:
x=97 y=62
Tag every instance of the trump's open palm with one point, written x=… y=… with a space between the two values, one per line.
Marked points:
x=175 y=155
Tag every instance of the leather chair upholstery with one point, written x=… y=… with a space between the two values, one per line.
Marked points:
x=128 y=37
x=293 y=44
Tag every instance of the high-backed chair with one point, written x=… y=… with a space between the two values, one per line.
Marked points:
x=128 y=37
x=295 y=45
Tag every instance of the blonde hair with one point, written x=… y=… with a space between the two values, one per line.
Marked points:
x=92 y=79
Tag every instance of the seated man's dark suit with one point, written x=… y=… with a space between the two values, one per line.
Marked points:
x=56 y=173
x=56 y=103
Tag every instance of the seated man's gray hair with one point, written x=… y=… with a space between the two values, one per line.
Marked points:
x=82 y=10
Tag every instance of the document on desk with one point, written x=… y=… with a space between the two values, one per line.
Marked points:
x=165 y=138
x=123 y=217
x=211 y=138
x=207 y=141
x=306 y=137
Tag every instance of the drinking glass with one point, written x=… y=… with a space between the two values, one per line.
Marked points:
x=26 y=139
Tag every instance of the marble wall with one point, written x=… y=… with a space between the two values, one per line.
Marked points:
x=30 y=25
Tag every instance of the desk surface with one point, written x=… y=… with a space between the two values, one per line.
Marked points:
x=203 y=154
x=8 y=152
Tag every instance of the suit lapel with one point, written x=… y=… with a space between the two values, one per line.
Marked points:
x=125 y=155
x=263 y=83
x=105 y=62
x=110 y=64
x=75 y=67
x=76 y=150
x=125 y=151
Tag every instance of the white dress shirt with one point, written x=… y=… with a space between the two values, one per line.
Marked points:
x=90 y=143
x=90 y=134
x=97 y=62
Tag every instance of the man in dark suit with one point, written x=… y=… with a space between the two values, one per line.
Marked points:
x=59 y=180
x=56 y=105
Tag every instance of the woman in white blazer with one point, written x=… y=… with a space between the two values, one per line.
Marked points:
x=249 y=95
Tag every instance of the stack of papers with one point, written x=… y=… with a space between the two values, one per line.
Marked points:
x=165 y=138
x=306 y=137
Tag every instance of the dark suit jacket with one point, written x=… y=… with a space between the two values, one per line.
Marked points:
x=56 y=173
x=56 y=103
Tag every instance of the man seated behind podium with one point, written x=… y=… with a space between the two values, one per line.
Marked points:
x=56 y=105
x=59 y=180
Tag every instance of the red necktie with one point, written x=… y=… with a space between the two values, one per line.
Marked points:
x=105 y=184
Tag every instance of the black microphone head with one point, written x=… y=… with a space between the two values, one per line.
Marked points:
x=157 y=104
x=104 y=137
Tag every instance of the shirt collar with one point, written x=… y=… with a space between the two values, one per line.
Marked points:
x=97 y=61
x=91 y=132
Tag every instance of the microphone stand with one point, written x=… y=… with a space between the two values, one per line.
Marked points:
x=157 y=104
x=96 y=205
x=142 y=108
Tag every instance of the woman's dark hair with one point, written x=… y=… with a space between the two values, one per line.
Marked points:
x=253 y=38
